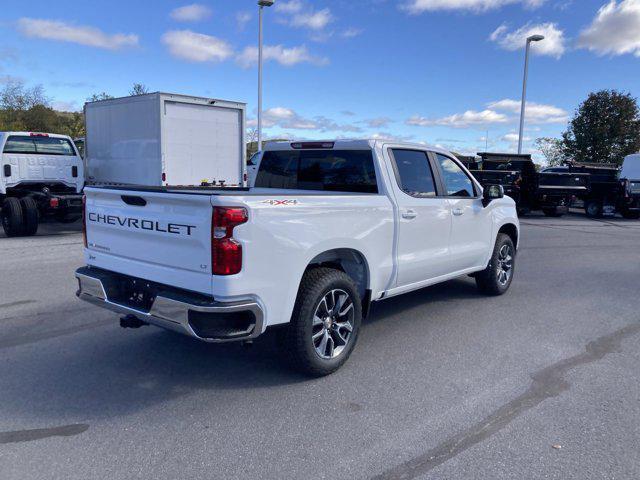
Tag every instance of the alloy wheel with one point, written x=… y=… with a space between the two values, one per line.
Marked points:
x=333 y=323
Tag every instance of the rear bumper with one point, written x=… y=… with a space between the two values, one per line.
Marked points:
x=179 y=310
x=69 y=204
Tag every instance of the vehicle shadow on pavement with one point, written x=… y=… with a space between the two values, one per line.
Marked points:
x=107 y=372
x=451 y=291
x=47 y=229
x=119 y=372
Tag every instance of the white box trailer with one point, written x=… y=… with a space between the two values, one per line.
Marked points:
x=161 y=139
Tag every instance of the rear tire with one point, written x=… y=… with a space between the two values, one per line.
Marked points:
x=551 y=212
x=497 y=277
x=593 y=209
x=12 y=217
x=325 y=322
x=31 y=216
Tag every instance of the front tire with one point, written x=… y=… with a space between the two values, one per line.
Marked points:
x=593 y=209
x=12 y=217
x=325 y=323
x=497 y=277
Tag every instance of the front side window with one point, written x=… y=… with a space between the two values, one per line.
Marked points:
x=457 y=183
x=324 y=170
x=38 y=145
x=414 y=173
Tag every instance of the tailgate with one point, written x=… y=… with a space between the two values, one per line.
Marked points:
x=164 y=237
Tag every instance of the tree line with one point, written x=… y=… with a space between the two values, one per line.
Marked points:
x=604 y=129
x=29 y=109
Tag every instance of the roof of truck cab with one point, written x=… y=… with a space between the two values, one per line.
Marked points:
x=354 y=144
x=26 y=134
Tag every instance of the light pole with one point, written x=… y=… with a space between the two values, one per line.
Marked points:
x=261 y=4
x=532 y=38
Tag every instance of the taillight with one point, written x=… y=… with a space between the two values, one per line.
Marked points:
x=226 y=252
x=84 y=220
x=54 y=202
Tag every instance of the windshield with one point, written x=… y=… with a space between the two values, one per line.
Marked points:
x=38 y=145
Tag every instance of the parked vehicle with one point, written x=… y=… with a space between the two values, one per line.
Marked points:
x=164 y=139
x=328 y=228
x=549 y=191
x=629 y=201
x=601 y=198
x=42 y=176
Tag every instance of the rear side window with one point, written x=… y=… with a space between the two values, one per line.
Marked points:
x=38 y=145
x=325 y=170
x=457 y=183
x=413 y=173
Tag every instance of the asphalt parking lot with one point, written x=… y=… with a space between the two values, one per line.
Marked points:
x=444 y=384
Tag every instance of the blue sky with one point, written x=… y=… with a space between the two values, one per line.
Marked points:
x=440 y=71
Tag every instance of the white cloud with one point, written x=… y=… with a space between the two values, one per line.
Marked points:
x=313 y=20
x=82 y=35
x=502 y=111
x=615 y=30
x=377 y=122
x=286 y=118
x=553 y=45
x=460 y=120
x=284 y=56
x=420 y=6
x=392 y=137
x=536 y=113
x=300 y=15
x=66 y=106
x=351 y=32
x=196 y=47
x=513 y=138
x=191 y=13
x=242 y=18
x=292 y=6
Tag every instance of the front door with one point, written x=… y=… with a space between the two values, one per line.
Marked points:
x=471 y=227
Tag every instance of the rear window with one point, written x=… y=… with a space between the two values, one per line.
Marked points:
x=328 y=170
x=38 y=145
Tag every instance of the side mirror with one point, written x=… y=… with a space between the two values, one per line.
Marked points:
x=491 y=193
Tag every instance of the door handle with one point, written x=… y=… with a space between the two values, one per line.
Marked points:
x=409 y=214
x=458 y=211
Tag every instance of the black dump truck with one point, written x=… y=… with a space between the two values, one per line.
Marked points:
x=551 y=192
x=612 y=188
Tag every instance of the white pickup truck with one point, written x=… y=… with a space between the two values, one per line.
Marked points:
x=327 y=228
x=42 y=176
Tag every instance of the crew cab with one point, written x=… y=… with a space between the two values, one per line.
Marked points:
x=325 y=229
x=42 y=176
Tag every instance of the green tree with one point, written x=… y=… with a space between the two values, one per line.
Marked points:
x=604 y=129
x=553 y=150
x=96 y=97
x=138 y=89
x=40 y=118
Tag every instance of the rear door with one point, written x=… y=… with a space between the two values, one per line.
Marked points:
x=163 y=237
x=471 y=227
x=424 y=221
x=202 y=143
